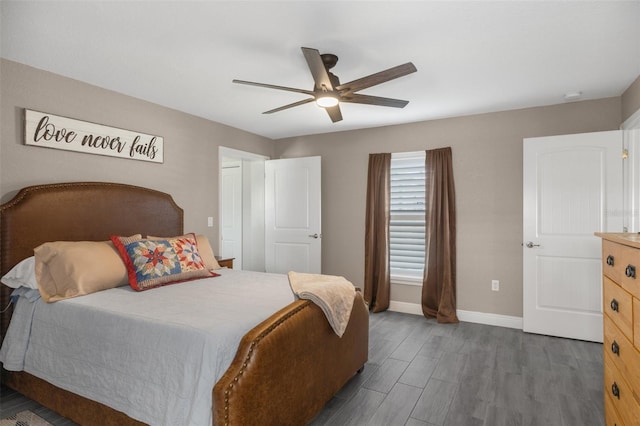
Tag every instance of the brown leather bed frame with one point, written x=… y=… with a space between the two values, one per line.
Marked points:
x=285 y=369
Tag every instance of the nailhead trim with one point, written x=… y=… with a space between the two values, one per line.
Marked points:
x=250 y=354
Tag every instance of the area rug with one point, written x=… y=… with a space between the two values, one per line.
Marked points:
x=24 y=418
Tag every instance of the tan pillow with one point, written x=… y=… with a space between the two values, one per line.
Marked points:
x=206 y=252
x=67 y=269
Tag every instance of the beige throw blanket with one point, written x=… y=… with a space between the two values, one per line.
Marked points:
x=333 y=294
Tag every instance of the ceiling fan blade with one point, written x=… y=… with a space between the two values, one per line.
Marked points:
x=377 y=78
x=334 y=113
x=357 y=98
x=271 y=86
x=295 y=104
x=317 y=68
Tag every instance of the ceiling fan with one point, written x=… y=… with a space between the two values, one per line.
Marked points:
x=328 y=92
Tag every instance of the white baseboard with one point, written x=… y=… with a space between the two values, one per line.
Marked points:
x=466 y=316
x=404 y=307
x=490 y=319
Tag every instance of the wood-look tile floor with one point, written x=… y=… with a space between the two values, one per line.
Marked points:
x=421 y=373
x=424 y=373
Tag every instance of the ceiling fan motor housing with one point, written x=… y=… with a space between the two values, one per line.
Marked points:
x=329 y=59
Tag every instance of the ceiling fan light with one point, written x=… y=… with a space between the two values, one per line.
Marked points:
x=327 y=101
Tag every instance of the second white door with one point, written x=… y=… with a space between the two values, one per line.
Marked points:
x=293 y=233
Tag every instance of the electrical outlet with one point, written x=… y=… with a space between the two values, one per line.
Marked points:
x=210 y=222
x=495 y=285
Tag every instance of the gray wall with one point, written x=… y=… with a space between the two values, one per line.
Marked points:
x=487 y=154
x=190 y=169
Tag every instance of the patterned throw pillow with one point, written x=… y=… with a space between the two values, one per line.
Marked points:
x=206 y=252
x=154 y=263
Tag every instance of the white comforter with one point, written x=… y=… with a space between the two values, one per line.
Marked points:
x=154 y=355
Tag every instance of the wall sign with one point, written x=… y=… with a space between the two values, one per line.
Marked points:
x=53 y=131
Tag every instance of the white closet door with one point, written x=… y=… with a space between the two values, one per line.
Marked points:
x=232 y=215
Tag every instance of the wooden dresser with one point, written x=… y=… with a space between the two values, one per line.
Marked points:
x=621 y=307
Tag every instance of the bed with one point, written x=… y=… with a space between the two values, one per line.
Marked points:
x=285 y=369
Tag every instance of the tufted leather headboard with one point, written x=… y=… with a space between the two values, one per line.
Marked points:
x=79 y=211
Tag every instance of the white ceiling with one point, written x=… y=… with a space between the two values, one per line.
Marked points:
x=472 y=57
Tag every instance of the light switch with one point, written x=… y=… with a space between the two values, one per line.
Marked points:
x=210 y=222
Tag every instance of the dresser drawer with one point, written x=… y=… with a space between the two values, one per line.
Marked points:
x=622 y=354
x=620 y=393
x=636 y=323
x=610 y=413
x=618 y=305
x=613 y=256
x=619 y=262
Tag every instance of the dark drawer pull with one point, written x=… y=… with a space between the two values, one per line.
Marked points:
x=615 y=348
x=630 y=271
x=614 y=305
x=610 y=260
x=615 y=390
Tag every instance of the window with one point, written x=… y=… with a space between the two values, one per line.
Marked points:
x=407 y=227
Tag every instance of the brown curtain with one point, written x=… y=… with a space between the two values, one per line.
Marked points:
x=376 y=244
x=439 y=284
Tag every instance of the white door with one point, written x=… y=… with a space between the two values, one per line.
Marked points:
x=572 y=187
x=292 y=221
x=231 y=215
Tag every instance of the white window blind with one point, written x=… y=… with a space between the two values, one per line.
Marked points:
x=407 y=225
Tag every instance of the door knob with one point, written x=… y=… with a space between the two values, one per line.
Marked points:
x=529 y=244
x=314 y=236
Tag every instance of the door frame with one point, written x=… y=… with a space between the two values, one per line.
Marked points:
x=253 y=248
x=631 y=172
